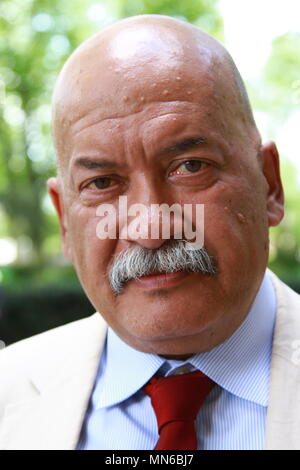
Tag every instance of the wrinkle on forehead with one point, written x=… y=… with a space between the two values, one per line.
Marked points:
x=150 y=111
x=141 y=60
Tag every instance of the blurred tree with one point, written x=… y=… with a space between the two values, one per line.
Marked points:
x=282 y=75
x=277 y=94
x=285 y=239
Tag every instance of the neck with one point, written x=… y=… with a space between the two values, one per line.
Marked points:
x=183 y=357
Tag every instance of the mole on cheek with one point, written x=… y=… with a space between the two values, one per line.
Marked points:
x=241 y=218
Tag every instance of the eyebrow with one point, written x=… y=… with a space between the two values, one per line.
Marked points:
x=102 y=164
x=186 y=144
x=92 y=164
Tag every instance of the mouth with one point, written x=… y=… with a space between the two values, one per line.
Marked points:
x=160 y=280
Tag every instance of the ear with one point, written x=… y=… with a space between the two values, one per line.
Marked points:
x=55 y=192
x=271 y=170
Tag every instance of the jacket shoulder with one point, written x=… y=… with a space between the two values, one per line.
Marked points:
x=287 y=323
x=285 y=295
x=47 y=351
x=55 y=337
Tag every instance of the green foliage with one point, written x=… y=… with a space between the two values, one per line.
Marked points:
x=30 y=311
x=282 y=74
x=285 y=239
x=201 y=13
x=283 y=65
x=277 y=94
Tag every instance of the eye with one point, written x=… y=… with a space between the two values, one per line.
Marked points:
x=187 y=167
x=102 y=183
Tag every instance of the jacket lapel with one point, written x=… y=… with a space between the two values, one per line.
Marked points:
x=283 y=416
x=61 y=385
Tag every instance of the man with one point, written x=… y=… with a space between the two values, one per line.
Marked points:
x=153 y=109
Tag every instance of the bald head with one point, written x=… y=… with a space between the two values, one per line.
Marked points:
x=140 y=60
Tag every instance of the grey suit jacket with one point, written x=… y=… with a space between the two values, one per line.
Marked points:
x=47 y=380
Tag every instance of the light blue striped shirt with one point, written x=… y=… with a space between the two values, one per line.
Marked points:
x=120 y=415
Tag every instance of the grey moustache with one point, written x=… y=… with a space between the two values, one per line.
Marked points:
x=138 y=261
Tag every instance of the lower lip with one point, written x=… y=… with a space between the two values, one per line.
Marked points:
x=161 y=280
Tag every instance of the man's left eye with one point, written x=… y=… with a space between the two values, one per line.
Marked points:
x=187 y=167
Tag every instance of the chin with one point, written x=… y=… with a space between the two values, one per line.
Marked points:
x=166 y=335
x=179 y=346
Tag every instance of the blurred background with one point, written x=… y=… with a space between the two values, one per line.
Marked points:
x=38 y=288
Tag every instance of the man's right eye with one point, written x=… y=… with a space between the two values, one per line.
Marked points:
x=102 y=183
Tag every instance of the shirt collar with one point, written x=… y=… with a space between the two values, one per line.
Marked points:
x=240 y=364
x=124 y=371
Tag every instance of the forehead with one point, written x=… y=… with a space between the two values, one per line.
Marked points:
x=157 y=124
x=142 y=127
x=139 y=115
x=127 y=81
x=135 y=99
x=120 y=88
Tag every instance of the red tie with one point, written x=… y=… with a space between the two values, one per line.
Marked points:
x=176 y=401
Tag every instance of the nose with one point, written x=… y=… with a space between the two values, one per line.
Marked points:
x=148 y=219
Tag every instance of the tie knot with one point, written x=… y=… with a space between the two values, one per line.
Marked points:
x=178 y=397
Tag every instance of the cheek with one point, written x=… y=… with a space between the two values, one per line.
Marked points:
x=235 y=223
x=90 y=254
